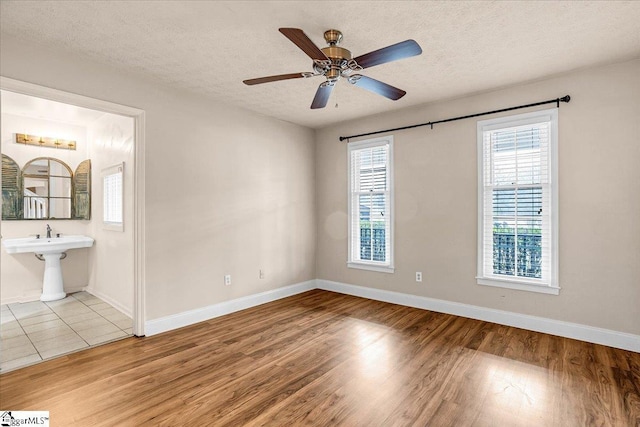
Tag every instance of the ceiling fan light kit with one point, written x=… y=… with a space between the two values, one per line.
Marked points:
x=334 y=62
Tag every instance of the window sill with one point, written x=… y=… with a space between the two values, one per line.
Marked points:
x=520 y=286
x=113 y=226
x=370 y=267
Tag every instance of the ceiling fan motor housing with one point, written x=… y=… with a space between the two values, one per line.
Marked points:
x=341 y=63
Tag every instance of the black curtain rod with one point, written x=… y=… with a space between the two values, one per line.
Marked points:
x=557 y=101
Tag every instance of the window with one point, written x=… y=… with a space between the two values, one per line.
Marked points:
x=112 y=182
x=518 y=202
x=371 y=205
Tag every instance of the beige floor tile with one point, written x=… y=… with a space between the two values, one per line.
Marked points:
x=75 y=318
x=10 y=325
x=61 y=302
x=6 y=317
x=124 y=324
x=52 y=333
x=20 y=362
x=11 y=332
x=109 y=315
x=48 y=354
x=62 y=341
x=100 y=306
x=90 y=324
x=16 y=341
x=106 y=338
x=17 y=352
x=71 y=311
x=92 y=301
x=39 y=319
x=29 y=329
x=109 y=311
x=16 y=306
x=29 y=309
x=98 y=331
x=65 y=303
x=35 y=329
x=81 y=295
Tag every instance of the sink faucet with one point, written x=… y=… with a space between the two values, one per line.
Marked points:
x=48 y=232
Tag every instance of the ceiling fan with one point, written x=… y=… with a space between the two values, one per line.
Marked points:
x=334 y=62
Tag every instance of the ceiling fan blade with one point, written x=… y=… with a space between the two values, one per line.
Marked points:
x=322 y=95
x=394 y=52
x=300 y=39
x=260 y=80
x=376 y=86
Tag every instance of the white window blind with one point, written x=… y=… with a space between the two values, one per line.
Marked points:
x=113 y=212
x=370 y=205
x=517 y=203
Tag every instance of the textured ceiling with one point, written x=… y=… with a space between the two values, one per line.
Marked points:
x=209 y=47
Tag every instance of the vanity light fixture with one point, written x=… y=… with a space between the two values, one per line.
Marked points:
x=43 y=141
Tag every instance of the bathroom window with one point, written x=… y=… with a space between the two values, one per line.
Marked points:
x=113 y=189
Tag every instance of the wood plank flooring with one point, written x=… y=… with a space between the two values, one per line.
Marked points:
x=326 y=359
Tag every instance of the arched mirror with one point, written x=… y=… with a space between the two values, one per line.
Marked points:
x=47 y=189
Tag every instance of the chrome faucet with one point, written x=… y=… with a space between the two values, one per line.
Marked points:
x=48 y=232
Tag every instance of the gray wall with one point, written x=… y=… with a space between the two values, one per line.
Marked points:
x=227 y=191
x=436 y=200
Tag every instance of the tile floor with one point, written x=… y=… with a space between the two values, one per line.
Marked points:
x=37 y=330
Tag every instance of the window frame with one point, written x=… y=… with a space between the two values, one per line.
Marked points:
x=107 y=172
x=549 y=285
x=377 y=266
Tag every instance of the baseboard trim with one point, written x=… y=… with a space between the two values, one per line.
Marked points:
x=112 y=302
x=175 y=321
x=34 y=296
x=576 y=331
x=561 y=328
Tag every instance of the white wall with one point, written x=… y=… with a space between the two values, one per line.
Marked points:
x=21 y=275
x=436 y=200
x=257 y=212
x=111 y=272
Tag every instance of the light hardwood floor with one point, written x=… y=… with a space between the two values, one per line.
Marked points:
x=325 y=359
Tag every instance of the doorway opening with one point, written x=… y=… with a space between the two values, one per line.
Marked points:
x=106 y=280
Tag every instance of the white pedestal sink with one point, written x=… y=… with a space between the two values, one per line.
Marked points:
x=51 y=249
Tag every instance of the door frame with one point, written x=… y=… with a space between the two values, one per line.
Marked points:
x=138 y=117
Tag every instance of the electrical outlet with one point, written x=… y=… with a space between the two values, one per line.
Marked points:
x=418 y=276
x=227 y=279
x=261 y=273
